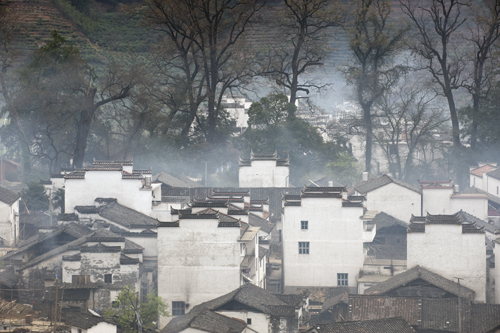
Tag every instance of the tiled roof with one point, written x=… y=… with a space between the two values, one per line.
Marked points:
x=72 y=229
x=495 y=173
x=383 y=220
x=332 y=301
x=127 y=163
x=418 y=272
x=417 y=224
x=257 y=221
x=87 y=209
x=483 y=169
x=84 y=320
x=72 y=245
x=254 y=297
x=387 y=325
x=373 y=184
x=172 y=181
x=474 y=190
x=206 y=321
x=127 y=217
x=8 y=196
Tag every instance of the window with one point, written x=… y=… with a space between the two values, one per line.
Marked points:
x=249 y=321
x=342 y=279
x=497 y=190
x=303 y=247
x=304 y=225
x=178 y=308
x=108 y=278
x=80 y=279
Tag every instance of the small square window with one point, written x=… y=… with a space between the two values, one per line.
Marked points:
x=249 y=321
x=342 y=279
x=303 y=247
x=108 y=278
x=304 y=225
x=178 y=308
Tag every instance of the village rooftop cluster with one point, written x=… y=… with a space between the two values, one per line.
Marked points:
x=382 y=256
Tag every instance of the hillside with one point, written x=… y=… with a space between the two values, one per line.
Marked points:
x=109 y=35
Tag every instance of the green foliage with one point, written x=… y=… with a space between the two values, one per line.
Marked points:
x=129 y=308
x=35 y=197
x=270 y=111
x=58 y=199
x=345 y=169
x=274 y=127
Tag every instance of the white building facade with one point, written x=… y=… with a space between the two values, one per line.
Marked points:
x=263 y=170
x=323 y=236
x=448 y=247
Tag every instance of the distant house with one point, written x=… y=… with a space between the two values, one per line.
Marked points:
x=390 y=195
x=477 y=174
x=92 y=270
x=263 y=170
x=89 y=323
x=450 y=247
x=245 y=309
x=443 y=197
x=9 y=217
x=323 y=235
x=113 y=179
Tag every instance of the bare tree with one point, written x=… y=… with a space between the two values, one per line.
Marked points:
x=209 y=39
x=303 y=34
x=483 y=33
x=374 y=40
x=408 y=115
x=437 y=24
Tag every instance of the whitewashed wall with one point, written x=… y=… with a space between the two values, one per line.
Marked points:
x=263 y=174
x=9 y=222
x=336 y=246
x=394 y=200
x=197 y=262
x=445 y=250
x=107 y=184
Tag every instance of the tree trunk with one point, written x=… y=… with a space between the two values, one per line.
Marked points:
x=83 y=128
x=369 y=129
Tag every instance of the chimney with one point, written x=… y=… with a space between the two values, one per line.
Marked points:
x=147 y=180
x=456 y=188
x=365 y=176
x=330 y=183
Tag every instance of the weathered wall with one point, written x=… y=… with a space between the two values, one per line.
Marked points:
x=9 y=222
x=196 y=255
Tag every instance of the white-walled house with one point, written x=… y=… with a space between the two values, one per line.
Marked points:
x=323 y=236
x=392 y=196
x=451 y=248
x=205 y=253
x=477 y=174
x=263 y=170
x=9 y=217
x=114 y=179
x=491 y=182
x=442 y=197
x=248 y=309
